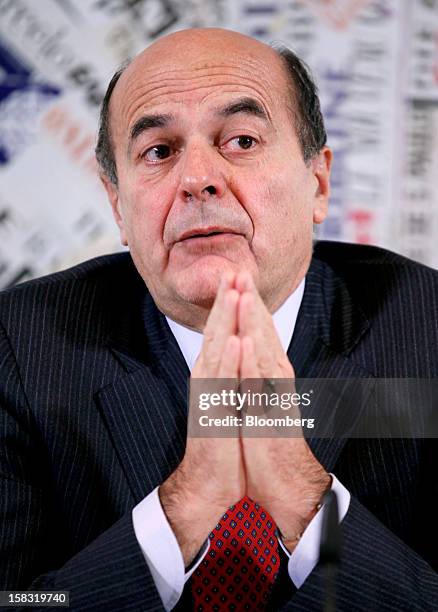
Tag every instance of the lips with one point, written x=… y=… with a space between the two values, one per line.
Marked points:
x=206 y=232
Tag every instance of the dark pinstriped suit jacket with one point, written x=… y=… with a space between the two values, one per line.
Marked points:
x=93 y=417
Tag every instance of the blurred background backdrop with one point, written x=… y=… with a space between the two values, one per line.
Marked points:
x=376 y=63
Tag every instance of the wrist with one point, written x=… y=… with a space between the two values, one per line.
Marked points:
x=291 y=529
x=189 y=516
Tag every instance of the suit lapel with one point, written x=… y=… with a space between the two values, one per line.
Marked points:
x=145 y=409
x=328 y=326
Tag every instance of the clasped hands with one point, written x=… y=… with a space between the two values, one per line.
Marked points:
x=281 y=474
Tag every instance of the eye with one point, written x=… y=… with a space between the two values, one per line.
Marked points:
x=243 y=142
x=157 y=153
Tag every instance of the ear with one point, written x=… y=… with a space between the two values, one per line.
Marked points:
x=321 y=166
x=113 y=197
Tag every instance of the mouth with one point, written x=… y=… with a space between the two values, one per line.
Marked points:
x=196 y=234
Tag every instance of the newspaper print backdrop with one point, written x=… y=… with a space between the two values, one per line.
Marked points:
x=376 y=62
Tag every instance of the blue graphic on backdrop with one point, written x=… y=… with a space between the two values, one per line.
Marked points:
x=23 y=96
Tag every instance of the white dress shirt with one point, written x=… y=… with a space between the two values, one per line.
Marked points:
x=152 y=530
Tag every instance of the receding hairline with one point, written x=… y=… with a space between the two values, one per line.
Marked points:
x=269 y=50
x=277 y=49
x=120 y=74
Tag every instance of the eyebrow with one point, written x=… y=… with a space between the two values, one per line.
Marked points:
x=148 y=122
x=248 y=106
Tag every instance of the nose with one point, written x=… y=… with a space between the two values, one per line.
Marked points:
x=202 y=176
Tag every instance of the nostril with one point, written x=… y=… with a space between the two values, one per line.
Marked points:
x=211 y=190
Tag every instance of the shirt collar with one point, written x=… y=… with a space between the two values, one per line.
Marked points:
x=190 y=341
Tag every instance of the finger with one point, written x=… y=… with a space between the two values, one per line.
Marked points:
x=249 y=370
x=255 y=320
x=214 y=321
x=227 y=372
x=252 y=324
x=248 y=362
x=216 y=312
x=229 y=366
x=259 y=318
x=215 y=338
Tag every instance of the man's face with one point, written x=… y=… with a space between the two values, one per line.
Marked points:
x=211 y=176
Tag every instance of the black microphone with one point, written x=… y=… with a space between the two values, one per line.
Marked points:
x=330 y=547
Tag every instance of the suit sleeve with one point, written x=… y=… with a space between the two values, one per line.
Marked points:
x=109 y=574
x=378 y=572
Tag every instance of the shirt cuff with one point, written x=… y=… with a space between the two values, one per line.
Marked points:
x=161 y=550
x=305 y=556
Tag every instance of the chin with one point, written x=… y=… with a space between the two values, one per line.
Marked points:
x=199 y=284
x=201 y=292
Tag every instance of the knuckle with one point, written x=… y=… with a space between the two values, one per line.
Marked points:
x=264 y=363
x=285 y=367
x=213 y=361
x=209 y=336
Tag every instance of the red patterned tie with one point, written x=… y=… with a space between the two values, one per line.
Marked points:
x=242 y=563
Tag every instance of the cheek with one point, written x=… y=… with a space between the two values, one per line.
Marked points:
x=147 y=208
x=280 y=208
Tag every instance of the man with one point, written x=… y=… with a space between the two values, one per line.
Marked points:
x=213 y=156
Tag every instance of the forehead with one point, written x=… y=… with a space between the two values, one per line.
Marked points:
x=198 y=76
